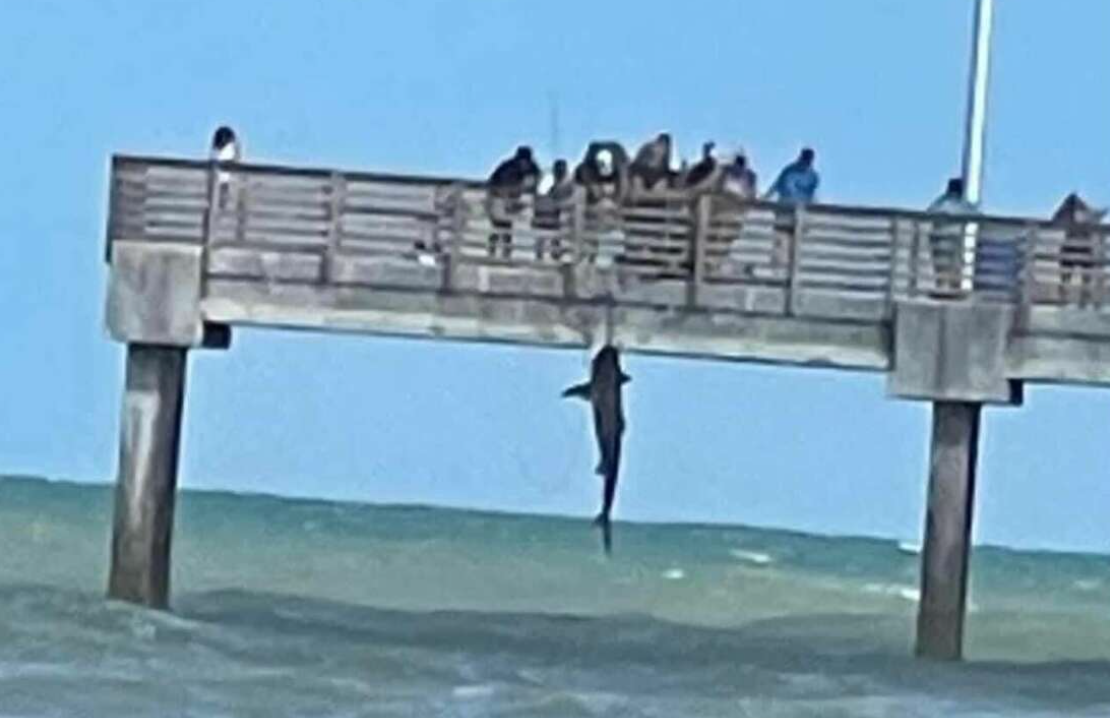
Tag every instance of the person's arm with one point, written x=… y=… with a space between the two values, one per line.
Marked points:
x=775 y=188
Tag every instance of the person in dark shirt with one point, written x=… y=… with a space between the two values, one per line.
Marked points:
x=509 y=182
x=651 y=169
x=704 y=175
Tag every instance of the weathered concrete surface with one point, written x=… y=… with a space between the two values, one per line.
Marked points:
x=944 y=557
x=726 y=335
x=952 y=352
x=150 y=436
x=154 y=293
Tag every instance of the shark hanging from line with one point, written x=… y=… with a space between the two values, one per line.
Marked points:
x=603 y=391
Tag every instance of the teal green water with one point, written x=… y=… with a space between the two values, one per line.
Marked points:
x=295 y=608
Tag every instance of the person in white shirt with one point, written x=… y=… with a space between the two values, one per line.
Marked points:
x=225 y=148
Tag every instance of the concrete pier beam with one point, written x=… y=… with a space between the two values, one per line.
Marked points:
x=150 y=439
x=944 y=557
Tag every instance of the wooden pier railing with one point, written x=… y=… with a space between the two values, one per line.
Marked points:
x=293 y=226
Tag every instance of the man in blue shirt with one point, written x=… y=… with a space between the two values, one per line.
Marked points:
x=796 y=185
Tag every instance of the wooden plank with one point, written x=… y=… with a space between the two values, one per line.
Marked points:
x=844 y=241
x=815 y=266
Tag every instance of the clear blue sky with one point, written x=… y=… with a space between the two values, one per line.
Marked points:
x=877 y=86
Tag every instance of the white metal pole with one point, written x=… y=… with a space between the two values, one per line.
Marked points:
x=976 y=128
x=975 y=131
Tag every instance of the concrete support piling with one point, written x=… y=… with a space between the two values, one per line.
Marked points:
x=944 y=558
x=150 y=439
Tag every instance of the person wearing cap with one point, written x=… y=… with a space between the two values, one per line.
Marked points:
x=795 y=186
x=508 y=183
x=946 y=240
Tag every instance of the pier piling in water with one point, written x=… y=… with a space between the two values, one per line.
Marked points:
x=944 y=556
x=150 y=440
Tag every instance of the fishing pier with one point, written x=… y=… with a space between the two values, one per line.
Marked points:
x=196 y=248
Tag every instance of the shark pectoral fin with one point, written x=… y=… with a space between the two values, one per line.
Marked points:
x=625 y=378
x=579 y=391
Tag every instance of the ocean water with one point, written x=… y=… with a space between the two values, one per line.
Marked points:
x=307 y=608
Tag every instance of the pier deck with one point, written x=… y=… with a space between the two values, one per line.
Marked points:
x=195 y=249
x=317 y=249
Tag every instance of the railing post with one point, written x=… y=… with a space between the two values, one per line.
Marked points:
x=578 y=224
x=113 y=209
x=1027 y=254
x=915 y=259
x=211 y=215
x=794 y=259
x=337 y=195
x=456 y=218
x=570 y=240
x=1099 y=266
x=242 y=200
x=703 y=214
x=892 y=275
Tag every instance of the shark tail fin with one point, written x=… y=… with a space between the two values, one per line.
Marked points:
x=580 y=391
x=606 y=526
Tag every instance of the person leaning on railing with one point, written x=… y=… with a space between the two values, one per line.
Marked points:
x=604 y=173
x=650 y=176
x=795 y=186
x=509 y=182
x=704 y=178
x=651 y=169
x=946 y=240
x=739 y=181
x=603 y=176
x=552 y=209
